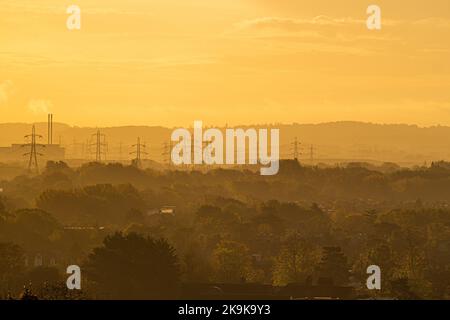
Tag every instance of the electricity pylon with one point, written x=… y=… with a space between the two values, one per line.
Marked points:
x=137 y=161
x=166 y=154
x=296 y=151
x=120 y=151
x=32 y=162
x=100 y=146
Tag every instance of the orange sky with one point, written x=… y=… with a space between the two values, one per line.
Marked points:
x=170 y=62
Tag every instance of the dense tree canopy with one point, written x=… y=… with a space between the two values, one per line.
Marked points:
x=306 y=225
x=133 y=267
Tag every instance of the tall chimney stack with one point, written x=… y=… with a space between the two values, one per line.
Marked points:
x=50 y=129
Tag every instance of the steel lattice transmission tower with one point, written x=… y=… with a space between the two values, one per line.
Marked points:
x=32 y=162
x=100 y=146
x=139 y=146
x=166 y=153
x=296 y=148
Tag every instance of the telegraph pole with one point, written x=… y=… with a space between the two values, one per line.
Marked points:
x=32 y=162
x=311 y=154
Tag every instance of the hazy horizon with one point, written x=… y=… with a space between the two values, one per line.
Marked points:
x=205 y=124
x=349 y=141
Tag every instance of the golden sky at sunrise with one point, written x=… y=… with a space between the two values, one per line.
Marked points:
x=169 y=62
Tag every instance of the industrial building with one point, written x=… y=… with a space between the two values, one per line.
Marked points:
x=45 y=152
x=15 y=153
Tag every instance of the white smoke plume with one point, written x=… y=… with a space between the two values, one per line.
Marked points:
x=5 y=91
x=39 y=106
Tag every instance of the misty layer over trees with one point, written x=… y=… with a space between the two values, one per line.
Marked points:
x=144 y=234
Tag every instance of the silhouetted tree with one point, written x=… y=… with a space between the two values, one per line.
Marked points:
x=134 y=267
x=231 y=262
x=296 y=261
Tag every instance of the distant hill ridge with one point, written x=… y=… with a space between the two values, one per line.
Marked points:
x=337 y=140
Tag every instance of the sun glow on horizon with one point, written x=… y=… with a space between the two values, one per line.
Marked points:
x=238 y=62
